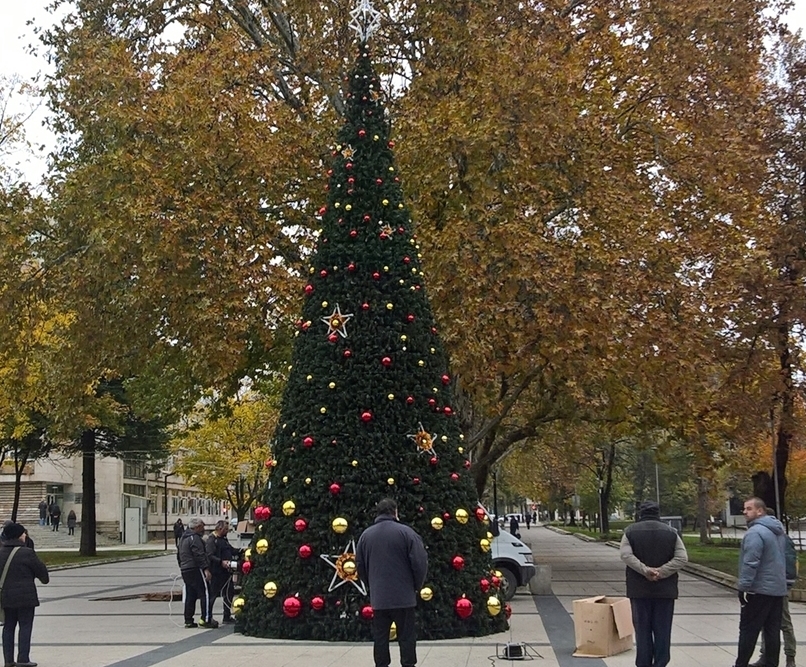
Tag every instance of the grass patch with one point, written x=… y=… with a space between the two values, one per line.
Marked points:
x=616 y=530
x=52 y=558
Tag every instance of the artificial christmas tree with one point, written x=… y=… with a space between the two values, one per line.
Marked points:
x=366 y=414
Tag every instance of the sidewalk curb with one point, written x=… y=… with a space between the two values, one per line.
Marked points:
x=106 y=561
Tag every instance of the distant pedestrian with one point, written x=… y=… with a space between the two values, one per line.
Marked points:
x=19 y=598
x=653 y=553
x=534 y=518
x=514 y=528
x=43 y=512
x=195 y=567
x=762 y=583
x=179 y=529
x=55 y=516
x=71 y=522
x=787 y=628
x=528 y=520
x=391 y=558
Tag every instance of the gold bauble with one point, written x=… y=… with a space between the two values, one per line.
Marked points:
x=285 y=479
x=490 y=536
x=323 y=410
x=269 y=589
x=484 y=543
x=498 y=574
x=391 y=481
x=393 y=632
x=437 y=523
x=308 y=480
x=461 y=515
x=237 y=604
x=309 y=378
x=390 y=306
x=391 y=397
x=355 y=463
x=332 y=385
x=349 y=567
x=289 y=507
x=262 y=546
x=426 y=594
x=493 y=605
x=339 y=525
x=247 y=554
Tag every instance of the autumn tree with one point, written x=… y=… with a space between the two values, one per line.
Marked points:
x=226 y=452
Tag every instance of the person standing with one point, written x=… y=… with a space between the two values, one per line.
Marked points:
x=392 y=560
x=55 y=515
x=762 y=583
x=71 y=522
x=179 y=530
x=787 y=628
x=514 y=528
x=653 y=553
x=221 y=553
x=528 y=520
x=195 y=568
x=43 y=512
x=19 y=598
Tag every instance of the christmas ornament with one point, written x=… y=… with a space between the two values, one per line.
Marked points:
x=269 y=589
x=393 y=632
x=447 y=516
x=365 y=20
x=484 y=585
x=391 y=481
x=289 y=507
x=300 y=525
x=367 y=612
x=366 y=416
x=464 y=607
x=493 y=605
x=292 y=607
x=305 y=551
x=246 y=567
x=348 y=153
x=237 y=604
x=426 y=593
x=458 y=562
x=507 y=610
x=346 y=570
x=339 y=525
x=262 y=546
x=386 y=361
x=484 y=543
x=461 y=516
x=318 y=603
x=422 y=439
x=337 y=322
x=437 y=523
x=480 y=514
x=335 y=489
x=455 y=476
x=247 y=554
x=308 y=442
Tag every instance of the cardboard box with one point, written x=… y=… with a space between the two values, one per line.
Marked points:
x=602 y=626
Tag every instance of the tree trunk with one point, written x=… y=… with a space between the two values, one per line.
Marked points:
x=88 y=523
x=480 y=472
x=19 y=466
x=702 y=509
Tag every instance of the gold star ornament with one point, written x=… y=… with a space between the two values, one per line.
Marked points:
x=346 y=569
x=424 y=440
x=337 y=322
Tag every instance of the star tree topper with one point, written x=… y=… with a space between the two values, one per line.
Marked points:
x=365 y=20
x=337 y=322
x=341 y=576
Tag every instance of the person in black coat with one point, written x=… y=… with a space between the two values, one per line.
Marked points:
x=391 y=558
x=179 y=530
x=19 y=598
x=514 y=528
x=4 y=538
x=55 y=515
x=221 y=553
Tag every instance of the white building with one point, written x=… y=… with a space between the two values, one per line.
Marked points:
x=129 y=501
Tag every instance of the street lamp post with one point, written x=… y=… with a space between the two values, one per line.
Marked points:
x=165 y=501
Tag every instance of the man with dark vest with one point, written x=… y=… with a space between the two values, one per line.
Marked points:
x=653 y=553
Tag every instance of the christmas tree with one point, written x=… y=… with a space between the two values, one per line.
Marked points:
x=366 y=414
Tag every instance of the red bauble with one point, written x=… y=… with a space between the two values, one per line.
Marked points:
x=349 y=165
x=367 y=612
x=308 y=289
x=268 y=463
x=332 y=338
x=246 y=567
x=335 y=488
x=409 y=400
x=507 y=610
x=317 y=603
x=367 y=218
x=447 y=410
x=386 y=361
x=480 y=514
x=415 y=481
x=351 y=267
x=300 y=525
x=406 y=260
x=401 y=230
x=308 y=442
x=410 y=317
x=292 y=607
x=434 y=330
x=467 y=464
x=455 y=476
x=305 y=551
x=447 y=516
x=379 y=181
x=362 y=133
x=323 y=273
x=348 y=354
x=351 y=180
x=446 y=379
x=364 y=306
x=353 y=233
x=366 y=416
x=458 y=562
x=391 y=144
x=496 y=581
x=376 y=276
x=323 y=210
x=464 y=607
x=484 y=584
x=383 y=236
x=433 y=460
x=432 y=402
x=330 y=171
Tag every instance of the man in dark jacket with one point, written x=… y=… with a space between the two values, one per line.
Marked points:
x=55 y=515
x=221 y=553
x=43 y=512
x=653 y=553
x=19 y=598
x=392 y=560
x=195 y=568
x=762 y=583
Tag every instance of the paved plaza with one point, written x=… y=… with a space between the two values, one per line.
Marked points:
x=91 y=617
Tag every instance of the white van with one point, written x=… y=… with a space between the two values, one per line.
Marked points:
x=513 y=559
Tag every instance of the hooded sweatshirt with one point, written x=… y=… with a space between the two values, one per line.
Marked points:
x=762 y=566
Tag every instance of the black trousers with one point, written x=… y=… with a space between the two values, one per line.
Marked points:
x=761 y=613
x=406 y=636
x=24 y=617
x=652 y=620
x=224 y=589
x=196 y=589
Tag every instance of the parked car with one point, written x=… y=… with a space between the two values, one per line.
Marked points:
x=512 y=558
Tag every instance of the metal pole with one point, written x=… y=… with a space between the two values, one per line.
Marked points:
x=165 y=501
x=601 y=509
x=657 y=481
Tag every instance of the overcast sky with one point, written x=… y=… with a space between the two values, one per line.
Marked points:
x=15 y=36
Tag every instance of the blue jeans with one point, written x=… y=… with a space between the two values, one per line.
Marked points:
x=24 y=616
x=652 y=620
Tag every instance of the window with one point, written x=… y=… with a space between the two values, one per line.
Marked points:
x=134 y=469
x=135 y=489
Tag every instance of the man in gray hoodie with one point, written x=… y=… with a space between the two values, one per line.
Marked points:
x=762 y=583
